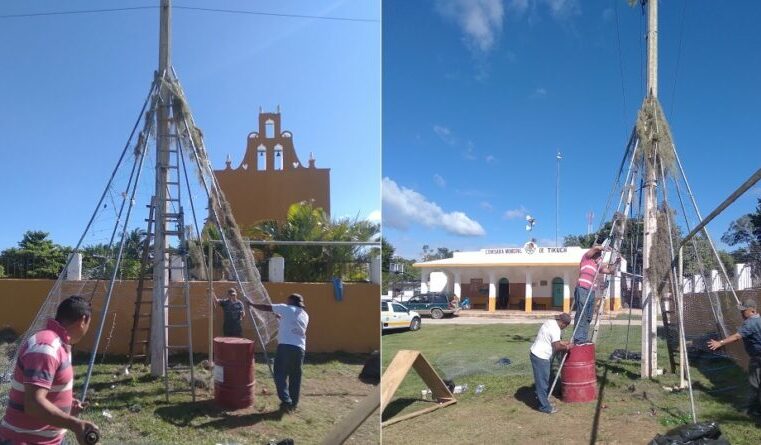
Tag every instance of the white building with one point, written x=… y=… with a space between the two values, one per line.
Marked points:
x=525 y=278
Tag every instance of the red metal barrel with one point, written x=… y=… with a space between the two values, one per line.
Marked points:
x=233 y=372
x=578 y=375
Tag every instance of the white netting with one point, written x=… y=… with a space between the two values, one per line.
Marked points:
x=120 y=218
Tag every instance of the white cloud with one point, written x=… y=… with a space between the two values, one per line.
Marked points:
x=445 y=134
x=608 y=14
x=564 y=9
x=439 y=180
x=402 y=207
x=469 y=153
x=374 y=216
x=489 y=159
x=486 y=205
x=539 y=92
x=480 y=21
x=520 y=212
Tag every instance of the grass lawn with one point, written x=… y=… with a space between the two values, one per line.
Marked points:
x=629 y=410
x=330 y=390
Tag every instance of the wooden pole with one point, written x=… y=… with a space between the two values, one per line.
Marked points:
x=210 y=272
x=649 y=362
x=159 y=313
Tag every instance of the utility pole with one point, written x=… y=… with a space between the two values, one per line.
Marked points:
x=649 y=364
x=557 y=200
x=159 y=314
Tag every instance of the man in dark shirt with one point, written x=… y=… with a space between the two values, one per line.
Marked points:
x=750 y=333
x=233 y=313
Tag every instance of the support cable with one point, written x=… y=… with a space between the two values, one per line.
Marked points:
x=109 y=294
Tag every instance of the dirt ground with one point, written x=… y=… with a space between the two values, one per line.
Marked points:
x=131 y=409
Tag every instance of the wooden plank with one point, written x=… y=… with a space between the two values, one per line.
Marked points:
x=395 y=373
x=431 y=379
x=418 y=413
x=398 y=369
x=350 y=423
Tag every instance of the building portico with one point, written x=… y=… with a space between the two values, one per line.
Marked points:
x=525 y=278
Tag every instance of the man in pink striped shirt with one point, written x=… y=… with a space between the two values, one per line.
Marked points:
x=585 y=290
x=41 y=406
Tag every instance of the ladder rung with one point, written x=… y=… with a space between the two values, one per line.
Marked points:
x=175 y=305
x=177 y=346
x=172 y=183
x=177 y=325
x=143 y=329
x=173 y=233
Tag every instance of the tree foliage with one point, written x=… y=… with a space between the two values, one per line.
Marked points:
x=745 y=234
x=35 y=257
x=305 y=222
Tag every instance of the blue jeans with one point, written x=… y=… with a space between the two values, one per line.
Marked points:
x=288 y=363
x=541 y=369
x=583 y=317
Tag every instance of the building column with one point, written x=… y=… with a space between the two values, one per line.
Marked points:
x=566 y=293
x=492 y=293
x=457 y=285
x=425 y=277
x=529 y=292
x=615 y=291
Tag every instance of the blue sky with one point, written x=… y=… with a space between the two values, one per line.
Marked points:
x=478 y=96
x=71 y=88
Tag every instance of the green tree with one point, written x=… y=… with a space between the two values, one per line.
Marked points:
x=745 y=234
x=409 y=274
x=35 y=257
x=439 y=253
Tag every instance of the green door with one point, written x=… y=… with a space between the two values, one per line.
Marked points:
x=557 y=292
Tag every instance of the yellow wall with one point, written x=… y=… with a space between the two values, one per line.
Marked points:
x=352 y=325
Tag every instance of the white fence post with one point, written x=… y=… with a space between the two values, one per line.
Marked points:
x=74 y=269
x=375 y=269
x=276 y=269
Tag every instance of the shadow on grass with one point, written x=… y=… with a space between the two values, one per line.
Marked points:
x=729 y=381
x=518 y=338
x=598 y=408
x=396 y=406
x=527 y=395
x=183 y=415
x=616 y=368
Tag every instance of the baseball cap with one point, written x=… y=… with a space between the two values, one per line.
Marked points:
x=297 y=299
x=748 y=303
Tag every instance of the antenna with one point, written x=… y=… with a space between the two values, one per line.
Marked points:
x=557 y=200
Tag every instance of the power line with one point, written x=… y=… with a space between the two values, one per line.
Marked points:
x=86 y=11
x=189 y=8
x=273 y=14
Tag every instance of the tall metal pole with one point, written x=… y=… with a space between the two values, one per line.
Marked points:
x=649 y=362
x=159 y=314
x=557 y=201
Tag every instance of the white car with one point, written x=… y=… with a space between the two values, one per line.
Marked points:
x=395 y=316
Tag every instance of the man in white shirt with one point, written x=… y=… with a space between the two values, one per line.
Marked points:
x=292 y=340
x=547 y=343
